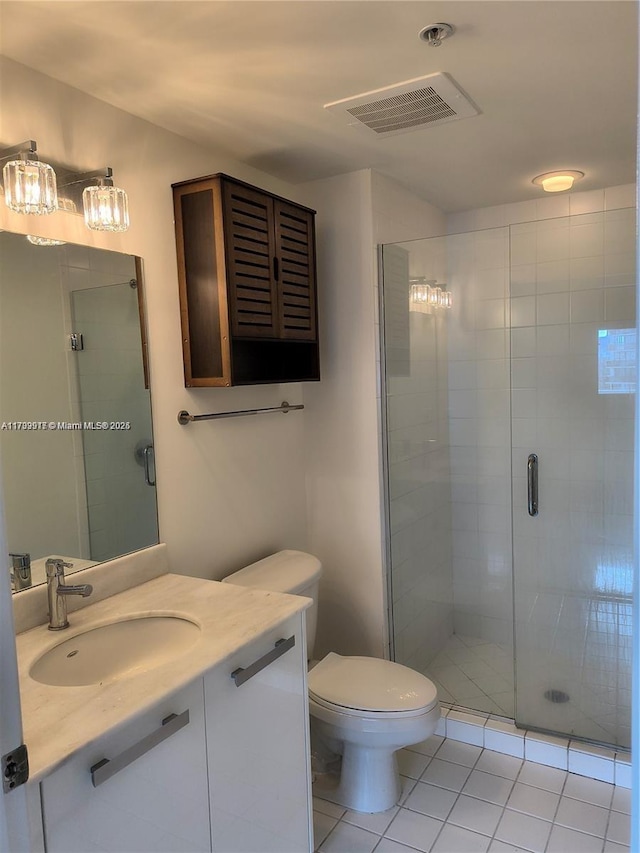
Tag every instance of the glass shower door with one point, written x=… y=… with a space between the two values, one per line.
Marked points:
x=119 y=468
x=573 y=374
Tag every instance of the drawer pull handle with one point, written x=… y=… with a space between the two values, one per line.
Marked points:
x=243 y=674
x=108 y=767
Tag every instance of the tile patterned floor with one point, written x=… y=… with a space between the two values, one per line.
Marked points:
x=459 y=798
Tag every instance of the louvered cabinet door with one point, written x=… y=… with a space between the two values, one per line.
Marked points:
x=250 y=251
x=295 y=270
x=246 y=271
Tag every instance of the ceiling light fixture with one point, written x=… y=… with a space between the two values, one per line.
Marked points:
x=557 y=182
x=29 y=184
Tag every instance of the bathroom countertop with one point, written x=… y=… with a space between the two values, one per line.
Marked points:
x=58 y=721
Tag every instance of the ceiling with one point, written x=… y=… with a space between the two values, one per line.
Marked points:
x=555 y=82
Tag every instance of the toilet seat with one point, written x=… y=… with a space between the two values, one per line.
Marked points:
x=370 y=687
x=368 y=714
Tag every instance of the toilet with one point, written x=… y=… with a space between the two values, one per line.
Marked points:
x=362 y=708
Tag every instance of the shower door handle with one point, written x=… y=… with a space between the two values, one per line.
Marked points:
x=532 y=483
x=144 y=456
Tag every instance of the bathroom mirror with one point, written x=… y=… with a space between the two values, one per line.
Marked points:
x=76 y=446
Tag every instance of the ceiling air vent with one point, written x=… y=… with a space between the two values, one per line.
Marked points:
x=434 y=99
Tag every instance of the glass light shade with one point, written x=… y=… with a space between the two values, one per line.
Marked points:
x=420 y=293
x=434 y=297
x=67 y=205
x=557 y=182
x=105 y=208
x=30 y=187
x=448 y=300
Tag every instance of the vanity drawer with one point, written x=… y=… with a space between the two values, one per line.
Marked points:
x=151 y=797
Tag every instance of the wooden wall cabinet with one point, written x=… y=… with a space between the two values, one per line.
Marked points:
x=246 y=269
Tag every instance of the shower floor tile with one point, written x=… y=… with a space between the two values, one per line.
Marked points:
x=471 y=672
x=476 y=674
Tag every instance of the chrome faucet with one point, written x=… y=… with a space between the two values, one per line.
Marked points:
x=20 y=571
x=57 y=590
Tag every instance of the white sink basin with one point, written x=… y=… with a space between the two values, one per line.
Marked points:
x=114 y=651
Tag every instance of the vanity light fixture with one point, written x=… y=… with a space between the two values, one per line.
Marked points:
x=419 y=293
x=29 y=184
x=557 y=182
x=424 y=295
x=106 y=208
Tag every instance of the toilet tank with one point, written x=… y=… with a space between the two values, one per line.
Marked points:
x=293 y=572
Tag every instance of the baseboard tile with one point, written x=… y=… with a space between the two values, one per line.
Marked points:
x=501 y=735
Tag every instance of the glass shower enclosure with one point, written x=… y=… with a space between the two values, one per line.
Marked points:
x=509 y=424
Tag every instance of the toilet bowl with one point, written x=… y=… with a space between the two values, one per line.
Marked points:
x=363 y=708
x=370 y=709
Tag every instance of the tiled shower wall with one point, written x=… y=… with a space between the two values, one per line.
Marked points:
x=478 y=354
x=569 y=278
x=574 y=563
x=578 y=271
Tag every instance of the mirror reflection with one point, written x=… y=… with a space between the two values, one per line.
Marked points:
x=76 y=444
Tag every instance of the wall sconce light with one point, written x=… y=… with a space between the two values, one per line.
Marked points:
x=557 y=182
x=424 y=295
x=31 y=186
x=419 y=294
x=106 y=208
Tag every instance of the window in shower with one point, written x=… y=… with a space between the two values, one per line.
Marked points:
x=617 y=361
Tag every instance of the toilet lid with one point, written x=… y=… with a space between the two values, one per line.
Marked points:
x=370 y=684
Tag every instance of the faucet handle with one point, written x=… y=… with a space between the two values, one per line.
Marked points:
x=55 y=567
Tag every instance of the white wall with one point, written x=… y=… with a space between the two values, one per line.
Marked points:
x=400 y=215
x=341 y=424
x=230 y=491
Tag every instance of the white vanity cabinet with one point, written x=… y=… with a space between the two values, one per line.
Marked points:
x=258 y=747
x=235 y=778
x=158 y=803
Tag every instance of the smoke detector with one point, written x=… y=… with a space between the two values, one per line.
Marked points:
x=410 y=105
